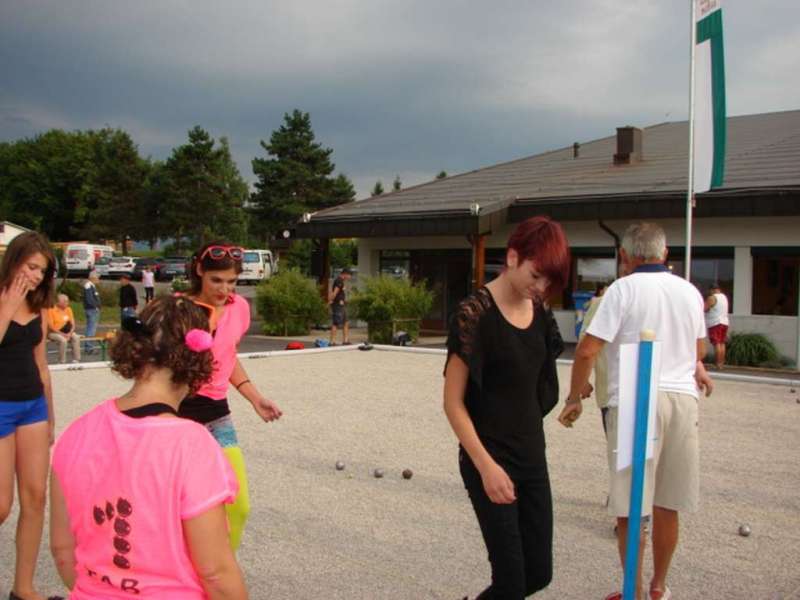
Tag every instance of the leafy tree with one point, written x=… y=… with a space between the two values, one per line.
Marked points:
x=46 y=181
x=397 y=184
x=204 y=193
x=295 y=177
x=441 y=175
x=115 y=207
x=377 y=190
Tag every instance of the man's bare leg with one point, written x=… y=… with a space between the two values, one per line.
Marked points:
x=622 y=541
x=665 y=540
x=719 y=355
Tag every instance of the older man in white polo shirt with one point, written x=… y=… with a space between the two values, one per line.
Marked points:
x=650 y=297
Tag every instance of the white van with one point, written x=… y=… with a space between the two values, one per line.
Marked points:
x=79 y=259
x=257 y=265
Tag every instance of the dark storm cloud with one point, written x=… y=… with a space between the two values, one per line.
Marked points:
x=394 y=88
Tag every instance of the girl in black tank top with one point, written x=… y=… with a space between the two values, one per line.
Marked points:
x=26 y=404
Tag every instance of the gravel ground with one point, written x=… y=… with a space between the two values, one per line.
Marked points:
x=318 y=532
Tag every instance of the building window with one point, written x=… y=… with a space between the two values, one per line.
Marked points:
x=593 y=271
x=395 y=263
x=709 y=266
x=775 y=280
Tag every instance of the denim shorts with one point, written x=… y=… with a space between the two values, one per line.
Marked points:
x=16 y=414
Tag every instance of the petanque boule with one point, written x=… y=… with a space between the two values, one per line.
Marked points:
x=339 y=465
x=744 y=530
x=408 y=474
x=377 y=473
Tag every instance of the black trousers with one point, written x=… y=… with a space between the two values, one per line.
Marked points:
x=518 y=536
x=148 y=294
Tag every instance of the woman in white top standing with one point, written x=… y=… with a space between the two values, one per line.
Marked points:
x=148 y=280
x=716 y=307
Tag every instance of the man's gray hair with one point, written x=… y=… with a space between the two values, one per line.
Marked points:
x=646 y=241
x=61 y=297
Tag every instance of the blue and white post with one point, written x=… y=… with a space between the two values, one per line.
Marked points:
x=643 y=379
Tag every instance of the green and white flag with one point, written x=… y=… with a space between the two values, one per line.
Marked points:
x=709 y=97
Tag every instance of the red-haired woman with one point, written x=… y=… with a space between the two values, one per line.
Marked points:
x=26 y=402
x=500 y=382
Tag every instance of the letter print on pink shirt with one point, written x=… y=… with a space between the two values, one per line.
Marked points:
x=121 y=527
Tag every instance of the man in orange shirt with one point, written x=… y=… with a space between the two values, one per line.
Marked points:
x=61 y=329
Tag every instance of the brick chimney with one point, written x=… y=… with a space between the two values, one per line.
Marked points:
x=629 y=145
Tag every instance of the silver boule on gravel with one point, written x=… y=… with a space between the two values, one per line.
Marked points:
x=408 y=473
x=744 y=530
x=377 y=473
x=339 y=465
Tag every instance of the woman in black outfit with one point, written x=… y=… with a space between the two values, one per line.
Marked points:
x=26 y=402
x=500 y=382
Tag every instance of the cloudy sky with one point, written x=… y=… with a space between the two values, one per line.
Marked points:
x=402 y=88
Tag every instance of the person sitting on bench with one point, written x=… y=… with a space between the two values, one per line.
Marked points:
x=61 y=329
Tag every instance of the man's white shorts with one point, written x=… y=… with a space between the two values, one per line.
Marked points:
x=675 y=463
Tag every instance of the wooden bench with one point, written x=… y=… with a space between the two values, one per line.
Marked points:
x=102 y=341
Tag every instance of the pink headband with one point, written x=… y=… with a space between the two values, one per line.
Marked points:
x=198 y=340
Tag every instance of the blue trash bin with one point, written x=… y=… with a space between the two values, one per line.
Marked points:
x=581 y=300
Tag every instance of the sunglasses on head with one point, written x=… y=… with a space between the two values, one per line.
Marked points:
x=220 y=252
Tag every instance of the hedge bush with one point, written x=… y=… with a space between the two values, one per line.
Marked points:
x=384 y=299
x=752 y=350
x=180 y=284
x=289 y=303
x=109 y=294
x=73 y=290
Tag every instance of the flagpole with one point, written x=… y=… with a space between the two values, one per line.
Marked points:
x=690 y=191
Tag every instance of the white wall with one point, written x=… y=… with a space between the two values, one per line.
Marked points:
x=9 y=232
x=781 y=330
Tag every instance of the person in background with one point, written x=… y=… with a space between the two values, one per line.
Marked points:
x=128 y=298
x=716 y=309
x=601 y=365
x=148 y=281
x=61 y=327
x=91 y=307
x=338 y=301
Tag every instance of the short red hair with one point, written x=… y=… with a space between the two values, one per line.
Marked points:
x=542 y=240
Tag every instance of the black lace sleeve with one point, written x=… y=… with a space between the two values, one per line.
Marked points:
x=548 y=382
x=464 y=337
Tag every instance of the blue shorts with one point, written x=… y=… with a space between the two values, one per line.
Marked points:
x=17 y=414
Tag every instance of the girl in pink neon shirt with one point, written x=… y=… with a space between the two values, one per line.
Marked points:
x=214 y=270
x=130 y=513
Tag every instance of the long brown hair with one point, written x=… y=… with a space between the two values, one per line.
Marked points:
x=21 y=249
x=210 y=264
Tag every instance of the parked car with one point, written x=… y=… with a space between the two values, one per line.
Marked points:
x=174 y=266
x=121 y=265
x=257 y=265
x=79 y=259
x=157 y=264
x=101 y=266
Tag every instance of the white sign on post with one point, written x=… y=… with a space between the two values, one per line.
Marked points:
x=626 y=415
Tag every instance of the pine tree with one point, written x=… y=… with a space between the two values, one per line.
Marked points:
x=296 y=177
x=397 y=184
x=377 y=190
